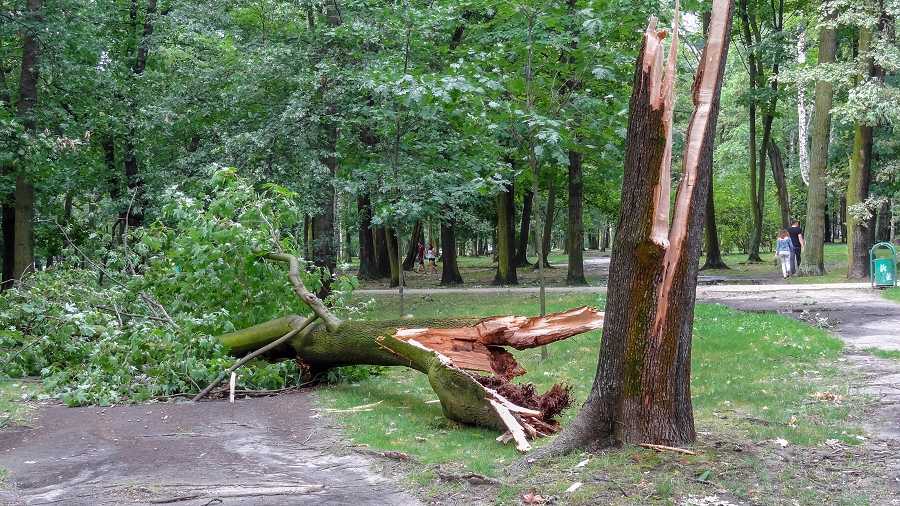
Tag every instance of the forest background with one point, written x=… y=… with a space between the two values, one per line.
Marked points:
x=152 y=148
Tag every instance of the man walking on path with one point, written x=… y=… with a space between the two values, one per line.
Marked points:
x=796 y=234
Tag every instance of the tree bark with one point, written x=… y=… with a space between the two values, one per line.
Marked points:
x=382 y=257
x=755 y=209
x=524 y=228
x=813 y=236
x=7 y=207
x=391 y=243
x=367 y=263
x=506 y=239
x=784 y=203
x=450 y=275
x=548 y=224
x=861 y=232
x=641 y=393
x=418 y=235
x=713 y=251
x=23 y=236
x=575 y=274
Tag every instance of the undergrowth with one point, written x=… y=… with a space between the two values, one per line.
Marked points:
x=130 y=319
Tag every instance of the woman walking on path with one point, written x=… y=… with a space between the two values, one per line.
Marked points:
x=783 y=247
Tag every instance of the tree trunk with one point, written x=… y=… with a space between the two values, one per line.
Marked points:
x=813 y=238
x=391 y=242
x=368 y=267
x=524 y=228
x=756 y=188
x=506 y=238
x=548 y=224
x=450 y=275
x=575 y=274
x=802 y=114
x=713 y=251
x=418 y=235
x=641 y=393
x=382 y=256
x=784 y=202
x=858 y=229
x=7 y=207
x=23 y=236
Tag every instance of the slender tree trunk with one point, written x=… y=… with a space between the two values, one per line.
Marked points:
x=391 y=241
x=641 y=393
x=418 y=235
x=367 y=264
x=524 y=228
x=450 y=275
x=7 y=207
x=548 y=224
x=506 y=238
x=813 y=237
x=713 y=251
x=780 y=184
x=802 y=114
x=756 y=187
x=575 y=274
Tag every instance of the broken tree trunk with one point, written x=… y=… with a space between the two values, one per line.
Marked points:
x=641 y=393
x=444 y=349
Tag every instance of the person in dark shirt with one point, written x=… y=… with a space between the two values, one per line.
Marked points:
x=796 y=234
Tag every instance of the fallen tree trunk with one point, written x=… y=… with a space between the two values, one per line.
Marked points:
x=445 y=349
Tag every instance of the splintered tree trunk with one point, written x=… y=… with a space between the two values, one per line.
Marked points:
x=641 y=393
x=450 y=275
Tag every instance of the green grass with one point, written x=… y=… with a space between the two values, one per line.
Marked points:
x=892 y=294
x=12 y=410
x=756 y=377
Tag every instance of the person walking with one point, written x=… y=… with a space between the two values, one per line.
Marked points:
x=796 y=234
x=783 y=247
x=420 y=258
x=432 y=256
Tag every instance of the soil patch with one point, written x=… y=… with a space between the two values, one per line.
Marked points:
x=264 y=451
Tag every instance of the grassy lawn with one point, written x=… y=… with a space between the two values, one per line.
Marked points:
x=757 y=378
x=12 y=410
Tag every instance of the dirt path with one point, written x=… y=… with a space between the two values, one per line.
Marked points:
x=266 y=451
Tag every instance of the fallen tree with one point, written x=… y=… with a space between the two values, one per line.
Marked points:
x=450 y=351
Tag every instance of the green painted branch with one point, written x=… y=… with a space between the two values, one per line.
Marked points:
x=331 y=322
x=253 y=355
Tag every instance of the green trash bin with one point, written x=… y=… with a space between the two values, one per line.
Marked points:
x=883 y=271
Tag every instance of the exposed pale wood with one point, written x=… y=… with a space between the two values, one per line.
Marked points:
x=515 y=428
x=477 y=348
x=662 y=448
